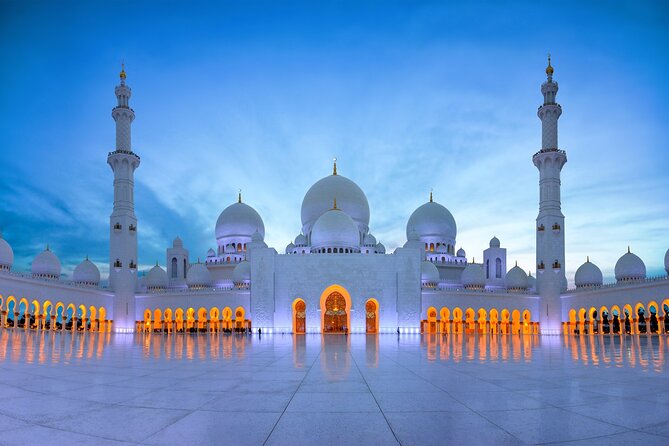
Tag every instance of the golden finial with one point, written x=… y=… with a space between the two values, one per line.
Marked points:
x=549 y=68
x=122 y=73
x=587 y=259
x=334 y=169
x=628 y=249
x=516 y=262
x=430 y=195
x=473 y=259
x=334 y=206
x=239 y=196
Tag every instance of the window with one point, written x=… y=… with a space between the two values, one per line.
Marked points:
x=498 y=268
x=487 y=269
x=174 y=268
x=185 y=268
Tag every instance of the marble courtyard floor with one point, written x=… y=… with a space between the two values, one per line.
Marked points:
x=90 y=388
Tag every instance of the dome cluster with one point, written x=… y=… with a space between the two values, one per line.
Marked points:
x=335 y=231
x=156 y=279
x=516 y=279
x=473 y=277
x=435 y=227
x=198 y=276
x=235 y=228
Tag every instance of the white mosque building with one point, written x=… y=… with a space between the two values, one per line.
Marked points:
x=335 y=276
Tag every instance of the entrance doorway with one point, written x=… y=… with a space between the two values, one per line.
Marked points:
x=336 y=314
x=299 y=316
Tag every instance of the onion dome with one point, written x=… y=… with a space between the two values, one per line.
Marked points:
x=666 y=261
x=7 y=255
x=46 y=265
x=461 y=253
x=198 y=276
x=238 y=220
x=588 y=275
x=380 y=248
x=429 y=274
x=301 y=240
x=630 y=268
x=494 y=242
x=211 y=253
x=350 y=198
x=241 y=275
x=335 y=229
x=369 y=240
x=473 y=277
x=516 y=279
x=156 y=279
x=433 y=221
x=289 y=248
x=532 y=282
x=86 y=273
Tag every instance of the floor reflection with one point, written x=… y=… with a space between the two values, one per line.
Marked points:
x=335 y=353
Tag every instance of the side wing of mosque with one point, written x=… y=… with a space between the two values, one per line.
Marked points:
x=335 y=276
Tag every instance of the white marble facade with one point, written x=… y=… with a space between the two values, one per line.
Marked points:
x=428 y=284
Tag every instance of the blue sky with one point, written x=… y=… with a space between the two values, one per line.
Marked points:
x=407 y=95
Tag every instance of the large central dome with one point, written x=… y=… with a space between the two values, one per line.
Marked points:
x=350 y=199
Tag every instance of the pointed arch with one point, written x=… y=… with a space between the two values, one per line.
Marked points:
x=332 y=290
x=299 y=308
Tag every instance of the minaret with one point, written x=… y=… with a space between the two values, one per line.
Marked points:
x=123 y=222
x=550 y=221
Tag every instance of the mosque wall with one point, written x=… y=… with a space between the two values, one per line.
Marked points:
x=193 y=299
x=390 y=279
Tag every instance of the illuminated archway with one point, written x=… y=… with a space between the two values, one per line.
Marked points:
x=431 y=320
x=457 y=320
x=147 y=320
x=201 y=319
x=179 y=319
x=482 y=320
x=227 y=318
x=372 y=316
x=335 y=309
x=506 y=319
x=157 y=320
x=444 y=322
x=190 y=319
x=299 y=316
x=494 y=321
x=240 y=319
x=515 y=322
x=470 y=320
x=527 y=322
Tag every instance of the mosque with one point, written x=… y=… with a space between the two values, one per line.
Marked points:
x=335 y=276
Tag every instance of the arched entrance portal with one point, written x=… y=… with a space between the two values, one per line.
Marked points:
x=299 y=316
x=335 y=310
x=372 y=316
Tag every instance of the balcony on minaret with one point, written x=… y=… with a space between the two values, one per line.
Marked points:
x=556 y=228
x=133 y=265
x=117 y=264
x=117 y=227
x=541 y=228
x=132 y=228
x=556 y=266
x=541 y=267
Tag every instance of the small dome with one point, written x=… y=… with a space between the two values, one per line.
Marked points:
x=516 y=279
x=46 y=265
x=198 y=276
x=429 y=274
x=257 y=241
x=494 y=242
x=211 y=253
x=369 y=240
x=532 y=282
x=629 y=268
x=177 y=243
x=156 y=278
x=289 y=248
x=461 y=253
x=473 y=276
x=239 y=220
x=413 y=240
x=666 y=261
x=86 y=273
x=434 y=221
x=301 y=240
x=380 y=248
x=7 y=254
x=350 y=198
x=335 y=229
x=242 y=273
x=588 y=274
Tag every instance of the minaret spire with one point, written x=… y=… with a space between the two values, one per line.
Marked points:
x=334 y=168
x=550 y=221
x=239 y=197
x=123 y=222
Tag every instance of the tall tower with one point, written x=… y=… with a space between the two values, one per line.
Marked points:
x=550 y=221
x=123 y=222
